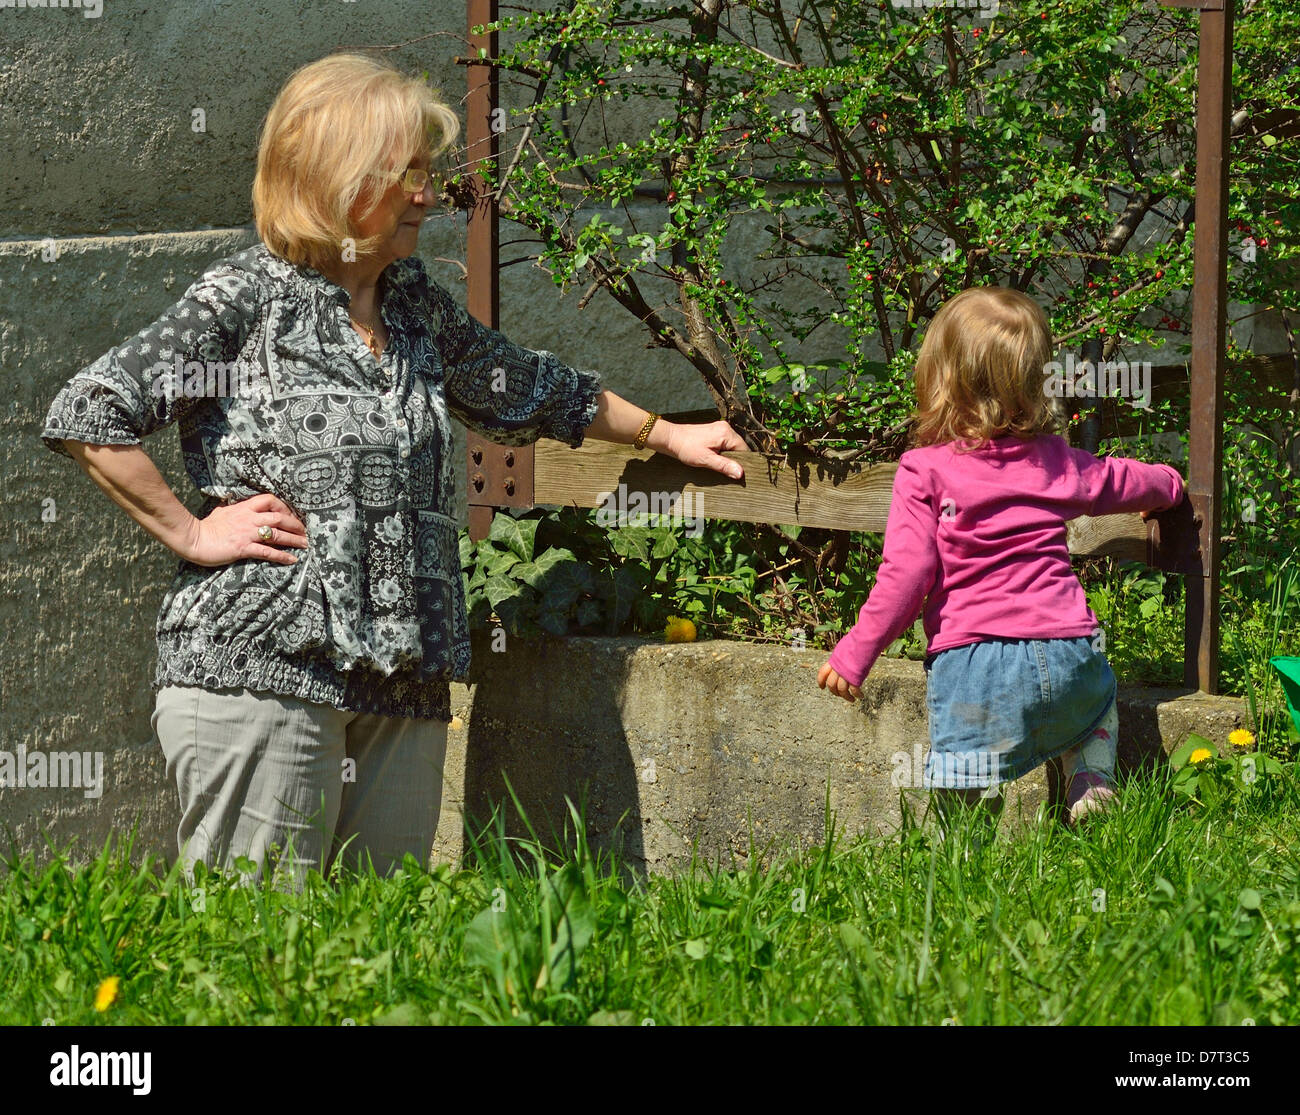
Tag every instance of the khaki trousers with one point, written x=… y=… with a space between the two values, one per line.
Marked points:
x=294 y=785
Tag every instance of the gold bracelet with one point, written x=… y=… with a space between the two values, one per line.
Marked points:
x=645 y=432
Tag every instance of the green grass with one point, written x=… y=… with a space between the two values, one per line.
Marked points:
x=1160 y=914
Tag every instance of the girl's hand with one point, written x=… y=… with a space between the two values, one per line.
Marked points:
x=229 y=533
x=700 y=445
x=829 y=679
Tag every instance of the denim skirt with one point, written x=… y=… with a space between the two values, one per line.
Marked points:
x=1000 y=708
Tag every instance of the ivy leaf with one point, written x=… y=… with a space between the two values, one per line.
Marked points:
x=501 y=563
x=632 y=542
x=621 y=590
x=568 y=582
x=499 y=589
x=553 y=557
x=517 y=535
x=665 y=544
x=555 y=620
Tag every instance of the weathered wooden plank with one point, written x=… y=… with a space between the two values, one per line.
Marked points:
x=1118 y=536
x=582 y=477
x=585 y=477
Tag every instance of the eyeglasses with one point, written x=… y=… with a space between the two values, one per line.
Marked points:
x=414 y=181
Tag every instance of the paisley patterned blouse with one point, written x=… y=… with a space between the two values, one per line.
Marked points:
x=275 y=392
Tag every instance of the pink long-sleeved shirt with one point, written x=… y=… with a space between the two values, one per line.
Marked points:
x=979 y=537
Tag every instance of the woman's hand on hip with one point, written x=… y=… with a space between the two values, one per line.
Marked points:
x=231 y=533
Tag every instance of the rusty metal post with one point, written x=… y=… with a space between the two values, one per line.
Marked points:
x=498 y=476
x=1209 y=326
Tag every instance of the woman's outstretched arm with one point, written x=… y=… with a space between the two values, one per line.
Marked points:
x=699 y=445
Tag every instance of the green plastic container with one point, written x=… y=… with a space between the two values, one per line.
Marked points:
x=1289 y=668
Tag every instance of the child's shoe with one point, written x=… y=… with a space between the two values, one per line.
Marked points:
x=1088 y=794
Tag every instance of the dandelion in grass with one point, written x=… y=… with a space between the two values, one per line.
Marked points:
x=106 y=994
x=1241 y=738
x=1200 y=755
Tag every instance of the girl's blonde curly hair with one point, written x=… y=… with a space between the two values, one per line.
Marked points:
x=981 y=371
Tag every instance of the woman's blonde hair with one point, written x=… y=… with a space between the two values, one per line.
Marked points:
x=334 y=127
x=981 y=371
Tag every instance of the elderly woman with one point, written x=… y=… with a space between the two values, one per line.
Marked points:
x=317 y=616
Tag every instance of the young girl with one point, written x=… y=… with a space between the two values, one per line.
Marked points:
x=976 y=531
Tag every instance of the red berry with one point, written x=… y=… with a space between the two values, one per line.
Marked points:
x=1160 y=274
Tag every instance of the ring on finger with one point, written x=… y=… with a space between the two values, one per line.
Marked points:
x=265 y=533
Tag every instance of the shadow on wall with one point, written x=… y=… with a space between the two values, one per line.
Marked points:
x=534 y=749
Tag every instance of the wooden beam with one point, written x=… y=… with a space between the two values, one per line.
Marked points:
x=581 y=477
x=586 y=476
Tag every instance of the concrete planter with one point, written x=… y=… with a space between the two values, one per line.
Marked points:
x=700 y=744
x=671 y=746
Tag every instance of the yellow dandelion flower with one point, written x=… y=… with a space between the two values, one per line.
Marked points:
x=107 y=993
x=1200 y=755
x=679 y=630
x=1241 y=738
